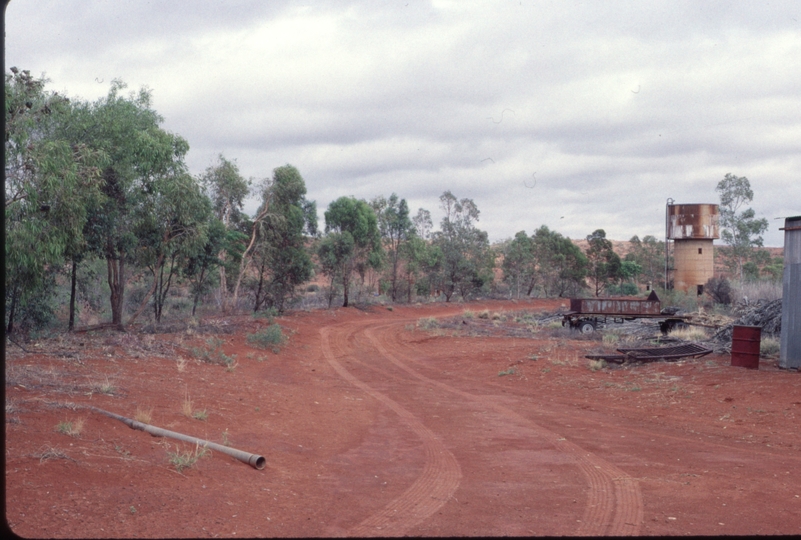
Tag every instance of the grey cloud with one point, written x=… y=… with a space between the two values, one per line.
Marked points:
x=613 y=106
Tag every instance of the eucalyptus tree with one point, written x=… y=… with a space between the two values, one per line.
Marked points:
x=422 y=258
x=467 y=259
x=395 y=227
x=649 y=254
x=519 y=263
x=352 y=244
x=423 y=224
x=227 y=189
x=199 y=267
x=140 y=156
x=334 y=252
x=171 y=230
x=604 y=264
x=561 y=266
x=282 y=260
x=741 y=231
x=48 y=181
x=415 y=254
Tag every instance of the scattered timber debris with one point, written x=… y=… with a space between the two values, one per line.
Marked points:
x=765 y=314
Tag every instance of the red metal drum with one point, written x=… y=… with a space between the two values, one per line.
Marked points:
x=745 y=342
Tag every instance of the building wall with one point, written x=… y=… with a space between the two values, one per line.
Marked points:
x=790 y=355
x=694 y=263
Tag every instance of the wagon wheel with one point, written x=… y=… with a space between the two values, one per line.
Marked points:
x=586 y=327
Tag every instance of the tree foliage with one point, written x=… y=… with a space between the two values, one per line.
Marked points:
x=561 y=265
x=170 y=232
x=740 y=229
x=143 y=160
x=396 y=228
x=604 y=265
x=520 y=264
x=467 y=259
x=199 y=267
x=353 y=243
x=227 y=189
x=649 y=254
x=282 y=260
x=103 y=180
x=49 y=181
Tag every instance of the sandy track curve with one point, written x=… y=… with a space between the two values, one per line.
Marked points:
x=614 y=505
x=441 y=473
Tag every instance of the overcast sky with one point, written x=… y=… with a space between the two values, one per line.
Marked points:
x=575 y=115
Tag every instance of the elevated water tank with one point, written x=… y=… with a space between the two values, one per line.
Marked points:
x=693 y=222
x=693 y=228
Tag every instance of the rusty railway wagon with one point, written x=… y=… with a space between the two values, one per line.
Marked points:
x=588 y=314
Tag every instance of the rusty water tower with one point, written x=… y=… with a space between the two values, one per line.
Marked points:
x=693 y=228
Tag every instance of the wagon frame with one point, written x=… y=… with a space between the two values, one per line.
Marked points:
x=586 y=315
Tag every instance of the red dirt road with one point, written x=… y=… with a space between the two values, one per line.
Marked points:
x=374 y=427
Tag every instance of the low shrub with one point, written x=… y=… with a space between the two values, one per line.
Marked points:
x=73 y=429
x=269 y=313
x=427 y=323
x=595 y=365
x=769 y=346
x=213 y=353
x=271 y=337
x=610 y=339
x=719 y=289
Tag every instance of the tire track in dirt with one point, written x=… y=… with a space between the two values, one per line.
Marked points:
x=441 y=473
x=614 y=505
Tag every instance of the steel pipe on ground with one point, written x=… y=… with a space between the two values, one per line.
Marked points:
x=254 y=460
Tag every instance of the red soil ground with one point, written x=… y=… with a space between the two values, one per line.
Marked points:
x=372 y=426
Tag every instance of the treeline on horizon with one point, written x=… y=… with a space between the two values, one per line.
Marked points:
x=99 y=202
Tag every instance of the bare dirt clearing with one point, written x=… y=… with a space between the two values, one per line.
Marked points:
x=375 y=426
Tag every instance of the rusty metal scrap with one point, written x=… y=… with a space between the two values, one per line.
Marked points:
x=686 y=221
x=650 y=354
x=618 y=307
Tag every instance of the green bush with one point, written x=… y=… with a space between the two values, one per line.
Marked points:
x=213 y=353
x=624 y=289
x=271 y=337
x=268 y=313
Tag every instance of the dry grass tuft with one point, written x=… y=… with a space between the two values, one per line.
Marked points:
x=184 y=460
x=691 y=333
x=47 y=452
x=186 y=406
x=71 y=428
x=143 y=415
x=103 y=387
